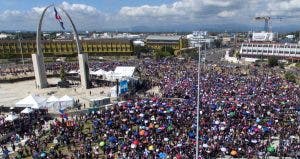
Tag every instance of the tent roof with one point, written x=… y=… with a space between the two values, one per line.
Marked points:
x=27 y=110
x=11 y=117
x=73 y=71
x=98 y=72
x=52 y=99
x=124 y=71
x=66 y=98
x=34 y=101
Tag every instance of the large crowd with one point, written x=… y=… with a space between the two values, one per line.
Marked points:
x=54 y=67
x=252 y=114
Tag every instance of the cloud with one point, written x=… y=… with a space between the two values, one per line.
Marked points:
x=153 y=11
x=79 y=8
x=283 y=8
x=10 y=13
x=38 y=10
x=186 y=9
x=284 y=5
x=84 y=16
x=226 y=14
x=180 y=12
x=218 y=3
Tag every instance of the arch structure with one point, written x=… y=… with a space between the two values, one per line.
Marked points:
x=38 y=58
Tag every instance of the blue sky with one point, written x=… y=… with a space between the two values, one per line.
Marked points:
x=103 y=5
x=174 y=15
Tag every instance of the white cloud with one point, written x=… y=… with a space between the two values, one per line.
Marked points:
x=84 y=17
x=218 y=3
x=180 y=12
x=284 y=5
x=186 y=9
x=10 y=13
x=79 y=8
x=38 y=10
x=147 y=10
x=226 y=14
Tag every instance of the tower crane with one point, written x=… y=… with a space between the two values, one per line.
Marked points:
x=267 y=20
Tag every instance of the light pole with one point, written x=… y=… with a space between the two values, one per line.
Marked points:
x=205 y=52
x=20 y=45
x=198 y=103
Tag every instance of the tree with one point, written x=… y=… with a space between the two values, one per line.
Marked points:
x=193 y=54
x=138 y=50
x=290 y=77
x=281 y=65
x=237 y=54
x=141 y=49
x=273 y=62
x=218 y=43
x=62 y=73
x=167 y=49
x=162 y=54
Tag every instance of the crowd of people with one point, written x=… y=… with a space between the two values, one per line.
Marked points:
x=13 y=70
x=54 y=67
x=14 y=130
x=242 y=114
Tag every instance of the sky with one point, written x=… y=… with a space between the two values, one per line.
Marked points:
x=152 y=15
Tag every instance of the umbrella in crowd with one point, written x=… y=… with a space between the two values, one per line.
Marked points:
x=240 y=115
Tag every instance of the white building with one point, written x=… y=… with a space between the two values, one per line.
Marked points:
x=138 y=43
x=285 y=51
x=4 y=36
x=199 y=37
x=127 y=36
x=263 y=36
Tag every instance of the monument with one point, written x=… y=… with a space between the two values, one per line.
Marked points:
x=38 y=58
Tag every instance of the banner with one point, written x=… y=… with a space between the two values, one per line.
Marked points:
x=123 y=87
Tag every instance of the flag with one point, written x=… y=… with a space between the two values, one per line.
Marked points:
x=58 y=18
x=63 y=114
x=62 y=25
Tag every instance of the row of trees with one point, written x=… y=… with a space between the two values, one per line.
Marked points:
x=165 y=51
x=272 y=62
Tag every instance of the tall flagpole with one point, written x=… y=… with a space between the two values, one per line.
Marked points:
x=198 y=104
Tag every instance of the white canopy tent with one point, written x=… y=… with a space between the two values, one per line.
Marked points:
x=32 y=101
x=11 y=117
x=99 y=72
x=73 y=72
x=53 y=103
x=27 y=111
x=121 y=72
x=109 y=75
x=92 y=72
x=124 y=71
x=65 y=102
x=113 y=92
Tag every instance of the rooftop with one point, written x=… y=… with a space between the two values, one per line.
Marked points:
x=161 y=37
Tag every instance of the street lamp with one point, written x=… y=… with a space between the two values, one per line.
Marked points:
x=20 y=45
x=198 y=102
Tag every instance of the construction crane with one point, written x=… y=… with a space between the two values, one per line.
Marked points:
x=267 y=20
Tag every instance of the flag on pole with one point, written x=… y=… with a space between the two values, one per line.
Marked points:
x=58 y=18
